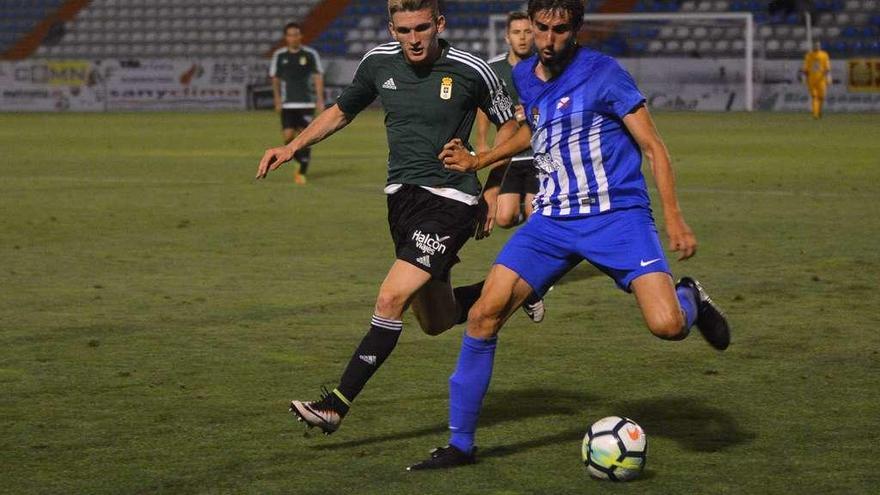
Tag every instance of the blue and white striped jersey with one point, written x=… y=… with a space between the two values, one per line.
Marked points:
x=588 y=162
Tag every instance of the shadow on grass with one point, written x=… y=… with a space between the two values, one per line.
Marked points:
x=500 y=407
x=688 y=421
x=583 y=271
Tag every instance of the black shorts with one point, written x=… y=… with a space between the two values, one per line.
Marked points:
x=521 y=178
x=428 y=230
x=296 y=118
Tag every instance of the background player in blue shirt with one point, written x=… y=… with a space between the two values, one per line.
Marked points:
x=588 y=126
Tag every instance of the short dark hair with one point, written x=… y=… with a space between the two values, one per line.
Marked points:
x=395 y=6
x=290 y=25
x=516 y=15
x=575 y=9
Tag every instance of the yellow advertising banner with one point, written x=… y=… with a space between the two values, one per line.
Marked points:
x=863 y=75
x=67 y=72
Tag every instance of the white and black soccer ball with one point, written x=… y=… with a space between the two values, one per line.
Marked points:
x=615 y=449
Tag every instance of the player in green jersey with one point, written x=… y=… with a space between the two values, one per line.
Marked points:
x=510 y=190
x=520 y=179
x=430 y=92
x=296 y=69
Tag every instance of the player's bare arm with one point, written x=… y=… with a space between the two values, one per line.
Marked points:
x=642 y=128
x=482 y=141
x=456 y=157
x=489 y=196
x=276 y=94
x=330 y=121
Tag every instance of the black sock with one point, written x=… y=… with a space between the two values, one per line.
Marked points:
x=303 y=156
x=466 y=296
x=532 y=299
x=375 y=347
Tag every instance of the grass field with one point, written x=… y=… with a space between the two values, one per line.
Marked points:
x=158 y=310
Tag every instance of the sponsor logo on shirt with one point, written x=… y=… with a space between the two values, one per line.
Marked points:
x=546 y=164
x=501 y=101
x=389 y=84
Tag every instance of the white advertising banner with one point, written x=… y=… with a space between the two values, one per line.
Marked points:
x=131 y=84
x=50 y=86
x=227 y=84
x=177 y=84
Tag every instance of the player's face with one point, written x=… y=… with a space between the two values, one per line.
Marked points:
x=293 y=38
x=520 y=37
x=554 y=36
x=417 y=33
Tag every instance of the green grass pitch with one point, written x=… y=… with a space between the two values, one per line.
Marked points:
x=159 y=308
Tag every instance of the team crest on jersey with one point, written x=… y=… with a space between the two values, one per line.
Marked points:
x=446 y=88
x=303 y=60
x=536 y=116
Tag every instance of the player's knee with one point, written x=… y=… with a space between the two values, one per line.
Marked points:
x=505 y=220
x=484 y=321
x=390 y=305
x=667 y=326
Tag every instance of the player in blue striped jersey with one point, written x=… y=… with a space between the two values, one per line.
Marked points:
x=588 y=127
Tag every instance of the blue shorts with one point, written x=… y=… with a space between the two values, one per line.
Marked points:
x=622 y=243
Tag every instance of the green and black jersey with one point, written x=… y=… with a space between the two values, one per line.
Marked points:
x=426 y=107
x=504 y=70
x=502 y=67
x=295 y=70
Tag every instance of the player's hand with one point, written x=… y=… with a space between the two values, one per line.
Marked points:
x=520 y=114
x=486 y=217
x=272 y=159
x=681 y=238
x=455 y=156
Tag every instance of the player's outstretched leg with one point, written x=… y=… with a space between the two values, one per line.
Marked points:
x=710 y=320
x=401 y=283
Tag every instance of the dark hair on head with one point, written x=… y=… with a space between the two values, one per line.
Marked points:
x=575 y=9
x=516 y=15
x=395 y=6
x=293 y=24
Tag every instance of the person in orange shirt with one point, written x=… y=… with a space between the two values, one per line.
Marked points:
x=817 y=72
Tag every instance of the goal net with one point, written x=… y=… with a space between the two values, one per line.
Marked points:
x=681 y=61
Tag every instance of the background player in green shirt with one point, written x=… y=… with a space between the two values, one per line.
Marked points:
x=519 y=181
x=509 y=187
x=295 y=70
x=430 y=92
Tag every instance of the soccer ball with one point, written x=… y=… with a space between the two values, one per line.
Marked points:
x=615 y=449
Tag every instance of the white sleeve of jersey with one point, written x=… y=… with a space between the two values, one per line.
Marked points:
x=319 y=67
x=273 y=65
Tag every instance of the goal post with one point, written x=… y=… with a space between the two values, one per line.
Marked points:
x=746 y=18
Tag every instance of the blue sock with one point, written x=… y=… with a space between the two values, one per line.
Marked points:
x=467 y=386
x=687 y=298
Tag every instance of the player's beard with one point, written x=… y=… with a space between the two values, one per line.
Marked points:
x=559 y=60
